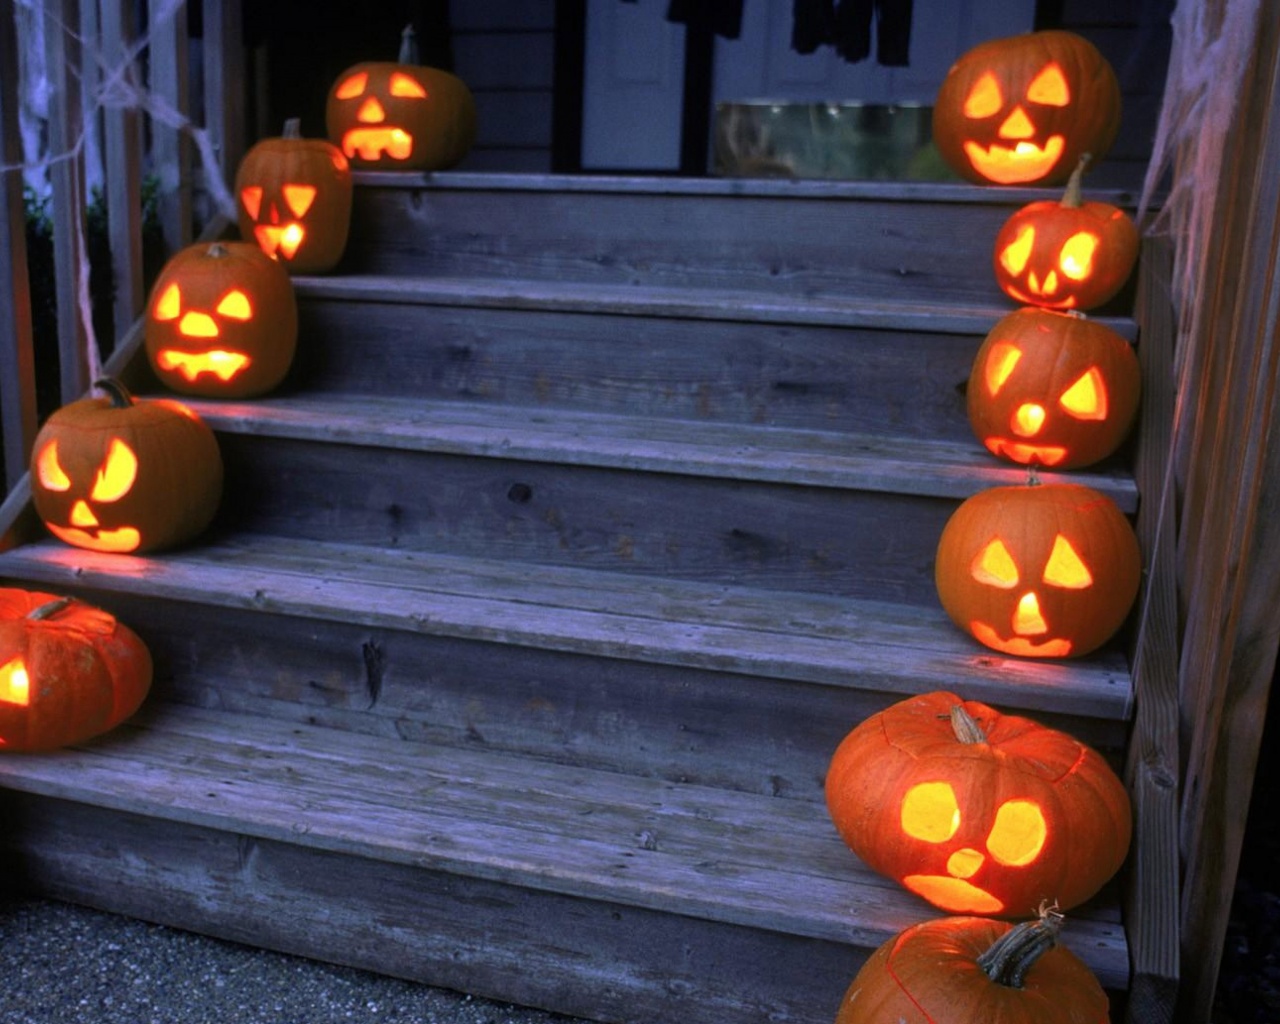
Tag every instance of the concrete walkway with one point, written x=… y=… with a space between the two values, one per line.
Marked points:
x=62 y=964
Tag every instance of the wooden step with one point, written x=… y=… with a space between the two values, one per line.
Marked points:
x=875 y=240
x=510 y=878
x=839 y=364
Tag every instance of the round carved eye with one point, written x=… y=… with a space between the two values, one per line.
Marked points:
x=1019 y=833
x=930 y=812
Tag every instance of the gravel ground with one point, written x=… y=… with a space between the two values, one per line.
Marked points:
x=62 y=964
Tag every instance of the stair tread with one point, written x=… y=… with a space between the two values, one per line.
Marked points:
x=814 y=458
x=943 y=315
x=831 y=641
x=727 y=856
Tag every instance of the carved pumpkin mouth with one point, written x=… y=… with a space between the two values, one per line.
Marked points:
x=1019 y=646
x=1020 y=451
x=120 y=540
x=953 y=894
x=219 y=362
x=1040 y=291
x=1011 y=165
x=374 y=143
x=279 y=239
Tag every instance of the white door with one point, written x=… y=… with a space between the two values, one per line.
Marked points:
x=633 y=87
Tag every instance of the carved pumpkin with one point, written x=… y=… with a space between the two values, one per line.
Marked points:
x=976 y=811
x=68 y=671
x=973 y=970
x=294 y=199
x=1066 y=255
x=400 y=116
x=122 y=474
x=222 y=321
x=1053 y=389
x=1039 y=570
x=1022 y=110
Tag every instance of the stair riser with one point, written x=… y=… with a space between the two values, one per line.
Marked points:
x=587 y=958
x=875 y=248
x=808 y=377
x=860 y=544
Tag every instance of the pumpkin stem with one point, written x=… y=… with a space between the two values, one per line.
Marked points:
x=965 y=726
x=117 y=392
x=1073 y=197
x=217 y=250
x=48 y=609
x=1012 y=955
x=292 y=128
x=408 y=46
x=1033 y=476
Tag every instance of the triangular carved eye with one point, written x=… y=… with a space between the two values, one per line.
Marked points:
x=299 y=198
x=403 y=85
x=1076 y=258
x=995 y=566
x=1086 y=399
x=116 y=477
x=251 y=196
x=1066 y=568
x=353 y=86
x=1050 y=87
x=49 y=470
x=1001 y=361
x=235 y=305
x=1016 y=254
x=169 y=304
x=985 y=98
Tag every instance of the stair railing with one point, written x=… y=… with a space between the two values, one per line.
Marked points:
x=132 y=96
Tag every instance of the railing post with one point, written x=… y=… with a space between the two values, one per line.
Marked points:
x=123 y=169
x=17 y=358
x=62 y=50
x=170 y=148
x=225 y=73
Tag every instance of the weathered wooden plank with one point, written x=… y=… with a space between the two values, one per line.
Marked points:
x=742 y=453
x=704 y=853
x=842 y=643
x=171 y=149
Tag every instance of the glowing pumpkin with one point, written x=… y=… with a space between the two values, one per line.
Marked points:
x=1053 y=389
x=400 y=116
x=1066 y=255
x=222 y=321
x=973 y=970
x=293 y=196
x=976 y=811
x=121 y=474
x=1038 y=570
x=1022 y=110
x=68 y=671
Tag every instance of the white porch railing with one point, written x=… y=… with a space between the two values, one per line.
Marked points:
x=125 y=92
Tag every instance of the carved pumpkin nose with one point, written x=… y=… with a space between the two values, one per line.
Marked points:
x=195 y=324
x=1028 y=419
x=965 y=863
x=82 y=515
x=1027 y=620
x=1017 y=125
x=371 y=112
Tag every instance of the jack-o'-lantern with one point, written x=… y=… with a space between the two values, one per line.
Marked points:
x=222 y=321
x=976 y=811
x=125 y=475
x=1022 y=110
x=973 y=970
x=68 y=671
x=1066 y=255
x=1038 y=570
x=294 y=199
x=401 y=116
x=1053 y=389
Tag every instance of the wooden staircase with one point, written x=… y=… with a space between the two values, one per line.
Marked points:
x=593 y=515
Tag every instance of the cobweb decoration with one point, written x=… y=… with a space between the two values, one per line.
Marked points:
x=120 y=87
x=1211 y=50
